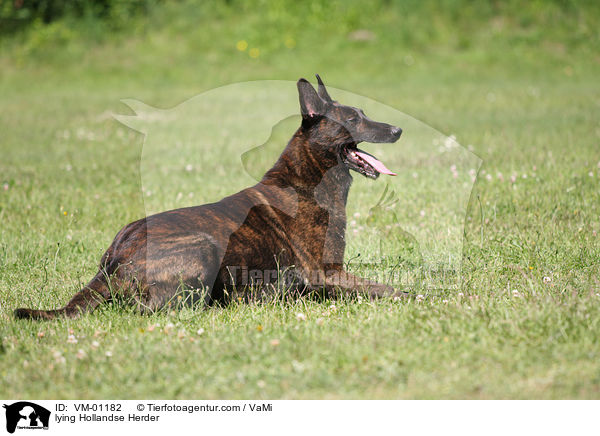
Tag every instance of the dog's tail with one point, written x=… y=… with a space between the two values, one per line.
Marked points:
x=86 y=300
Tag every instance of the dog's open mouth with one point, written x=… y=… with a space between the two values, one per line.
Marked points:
x=364 y=163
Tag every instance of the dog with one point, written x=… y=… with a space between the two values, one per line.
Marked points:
x=294 y=220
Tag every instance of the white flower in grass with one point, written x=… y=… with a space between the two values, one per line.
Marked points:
x=108 y=354
x=515 y=293
x=298 y=366
x=80 y=354
x=71 y=339
x=95 y=344
x=200 y=331
x=58 y=357
x=420 y=297
x=547 y=279
x=300 y=316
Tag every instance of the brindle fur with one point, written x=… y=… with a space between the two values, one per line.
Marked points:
x=294 y=219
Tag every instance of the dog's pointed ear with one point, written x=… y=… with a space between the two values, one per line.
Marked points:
x=311 y=104
x=323 y=91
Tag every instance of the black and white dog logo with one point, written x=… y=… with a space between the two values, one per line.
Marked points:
x=26 y=415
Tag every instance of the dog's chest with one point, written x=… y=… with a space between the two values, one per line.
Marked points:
x=319 y=229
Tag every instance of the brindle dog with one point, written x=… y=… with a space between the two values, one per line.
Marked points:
x=293 y=220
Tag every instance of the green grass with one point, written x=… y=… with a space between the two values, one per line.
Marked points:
x=520 y=89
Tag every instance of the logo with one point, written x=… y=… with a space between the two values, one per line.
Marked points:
x=26 y=415
x=416 y=238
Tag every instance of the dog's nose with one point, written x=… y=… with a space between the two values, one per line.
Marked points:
x=396 y=131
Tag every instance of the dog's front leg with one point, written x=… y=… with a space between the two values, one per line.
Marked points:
x=342 y=282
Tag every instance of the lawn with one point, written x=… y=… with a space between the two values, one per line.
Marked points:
x=517 y=85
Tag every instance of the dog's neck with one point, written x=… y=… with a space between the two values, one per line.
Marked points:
x=319 y=181
x=302 y=167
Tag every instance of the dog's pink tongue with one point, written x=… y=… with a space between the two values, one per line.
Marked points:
x=378 y=165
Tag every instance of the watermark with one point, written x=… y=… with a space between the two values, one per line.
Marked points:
x=397 y=276
x=404 y=230
x=269 y=417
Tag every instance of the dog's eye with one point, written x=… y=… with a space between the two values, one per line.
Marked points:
x=353 y=119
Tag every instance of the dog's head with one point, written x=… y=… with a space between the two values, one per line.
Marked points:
x=337 y=129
